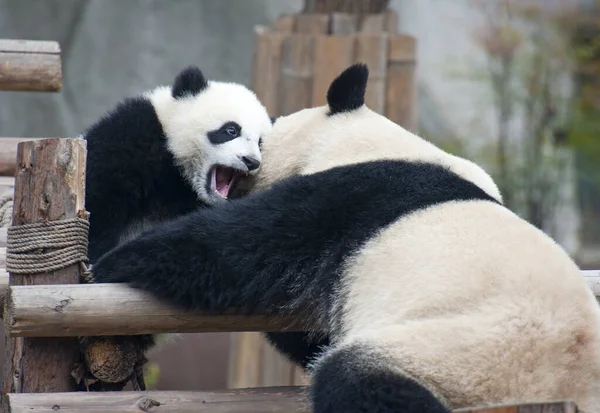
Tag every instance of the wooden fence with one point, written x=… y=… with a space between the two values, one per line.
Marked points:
x=45 y=311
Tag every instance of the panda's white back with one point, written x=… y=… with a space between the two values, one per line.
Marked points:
x=466 y=296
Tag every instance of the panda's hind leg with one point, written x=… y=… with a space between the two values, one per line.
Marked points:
x=356 y=378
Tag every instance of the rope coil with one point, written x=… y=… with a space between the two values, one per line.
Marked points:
x=47 y=246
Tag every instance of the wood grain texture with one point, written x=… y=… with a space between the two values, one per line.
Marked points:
x=285 y=24
x=116 y=309
x=550 y=407
x=333 y=54
x=28 y=65
x=296 y=73
x=113 y=309
x=8 y=155
x=312 y=23
x=287 y=399
x=267 y=67
x=271 y=400
x=49 y=186
x=343 y=24
x=372 y=50
x=400 y=106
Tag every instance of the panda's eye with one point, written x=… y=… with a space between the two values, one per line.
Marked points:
x=260 y=143
x=232 y=131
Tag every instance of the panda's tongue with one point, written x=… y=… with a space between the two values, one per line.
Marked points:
x=223 y=179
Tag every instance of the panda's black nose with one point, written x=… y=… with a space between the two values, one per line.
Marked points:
x=251 y=163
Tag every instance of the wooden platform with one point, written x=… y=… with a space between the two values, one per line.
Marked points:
x=258 y=400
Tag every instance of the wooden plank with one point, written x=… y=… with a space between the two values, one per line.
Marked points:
x=8 y=155
x=390 y=23
x=550 y=407
x=372 y=50
x=28 y=65
x=245 y=358
x=267 y=67
x=296 y=73
x=285 y=24
x=312 y=23
x=333 y=54
x=50 y=186
x=114 y=309
x=271 y=400
x=342 y=24
x=400 y=105
x=373 y=24
x=285 y=399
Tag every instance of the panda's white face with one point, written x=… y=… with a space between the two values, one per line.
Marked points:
x=213 y=130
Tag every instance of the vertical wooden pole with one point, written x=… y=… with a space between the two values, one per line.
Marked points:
x=49 y=186
x=267 y=67
x=400 y=89
x=333 y=54
x=372 y=50
x=296 y=73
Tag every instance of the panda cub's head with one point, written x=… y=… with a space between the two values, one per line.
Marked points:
x=213 y=129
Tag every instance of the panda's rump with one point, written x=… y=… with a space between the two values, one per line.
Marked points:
x=470 y=298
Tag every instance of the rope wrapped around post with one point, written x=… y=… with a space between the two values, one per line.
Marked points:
x=52 y=245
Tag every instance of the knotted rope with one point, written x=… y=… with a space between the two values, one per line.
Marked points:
x=47 y=246
x=6 y=207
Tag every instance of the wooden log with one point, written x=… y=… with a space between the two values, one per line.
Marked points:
x=267 y=67
x=296 y=73
x=373 y=24
x=50 y=186
x=8 y=157
x=29 y=65
x=391 y=22
x=285 y=24
x=372 y=50
x=333 y=54
x=550 y=407
x=400 y=105
x=116 y=309
x=288 y=399
x=343 y=24
x=272 y=400
x=113 y=309
x=312 y=23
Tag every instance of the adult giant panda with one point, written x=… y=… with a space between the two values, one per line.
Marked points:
x=164 y=153
x=434 y=295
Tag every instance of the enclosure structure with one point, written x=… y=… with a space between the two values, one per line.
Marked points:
x=46 y=304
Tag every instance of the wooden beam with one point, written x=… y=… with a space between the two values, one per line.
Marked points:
x=117 y=309
x=113 y=309
x=28 y=65
x=8 y=157
x=291 y=399
x=49 y=186
x=272 y=400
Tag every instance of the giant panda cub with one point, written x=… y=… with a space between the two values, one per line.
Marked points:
x=434 y=296
x=167 y=152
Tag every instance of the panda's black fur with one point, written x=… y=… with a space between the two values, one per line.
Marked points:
x=285 y=250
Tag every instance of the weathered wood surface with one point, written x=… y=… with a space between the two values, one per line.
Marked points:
x=400 y=89
x=28 y=65
x=267 y=67
x=116 y=309
x=266 y=400
x=333 y=55
x=112 y=309
x=297 y=63
x=292 y=399
x=8 y=157
x=50 y=186
x=551 y=407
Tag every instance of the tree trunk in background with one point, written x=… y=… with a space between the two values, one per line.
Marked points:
x=345 y=6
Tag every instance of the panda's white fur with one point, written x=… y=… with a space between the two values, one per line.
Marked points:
x=188 y=120
x=433 y=294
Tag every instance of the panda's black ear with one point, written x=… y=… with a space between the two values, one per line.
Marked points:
x=347 y=92
x=189 y=82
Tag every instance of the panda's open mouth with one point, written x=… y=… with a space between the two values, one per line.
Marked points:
x=223 y=178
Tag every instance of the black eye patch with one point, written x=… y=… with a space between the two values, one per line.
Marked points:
x=227 y=132
x=260 y=143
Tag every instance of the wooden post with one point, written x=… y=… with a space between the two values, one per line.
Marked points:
x=28 y=65
x=372 y=50
x=400 y=86
x=50 y=186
